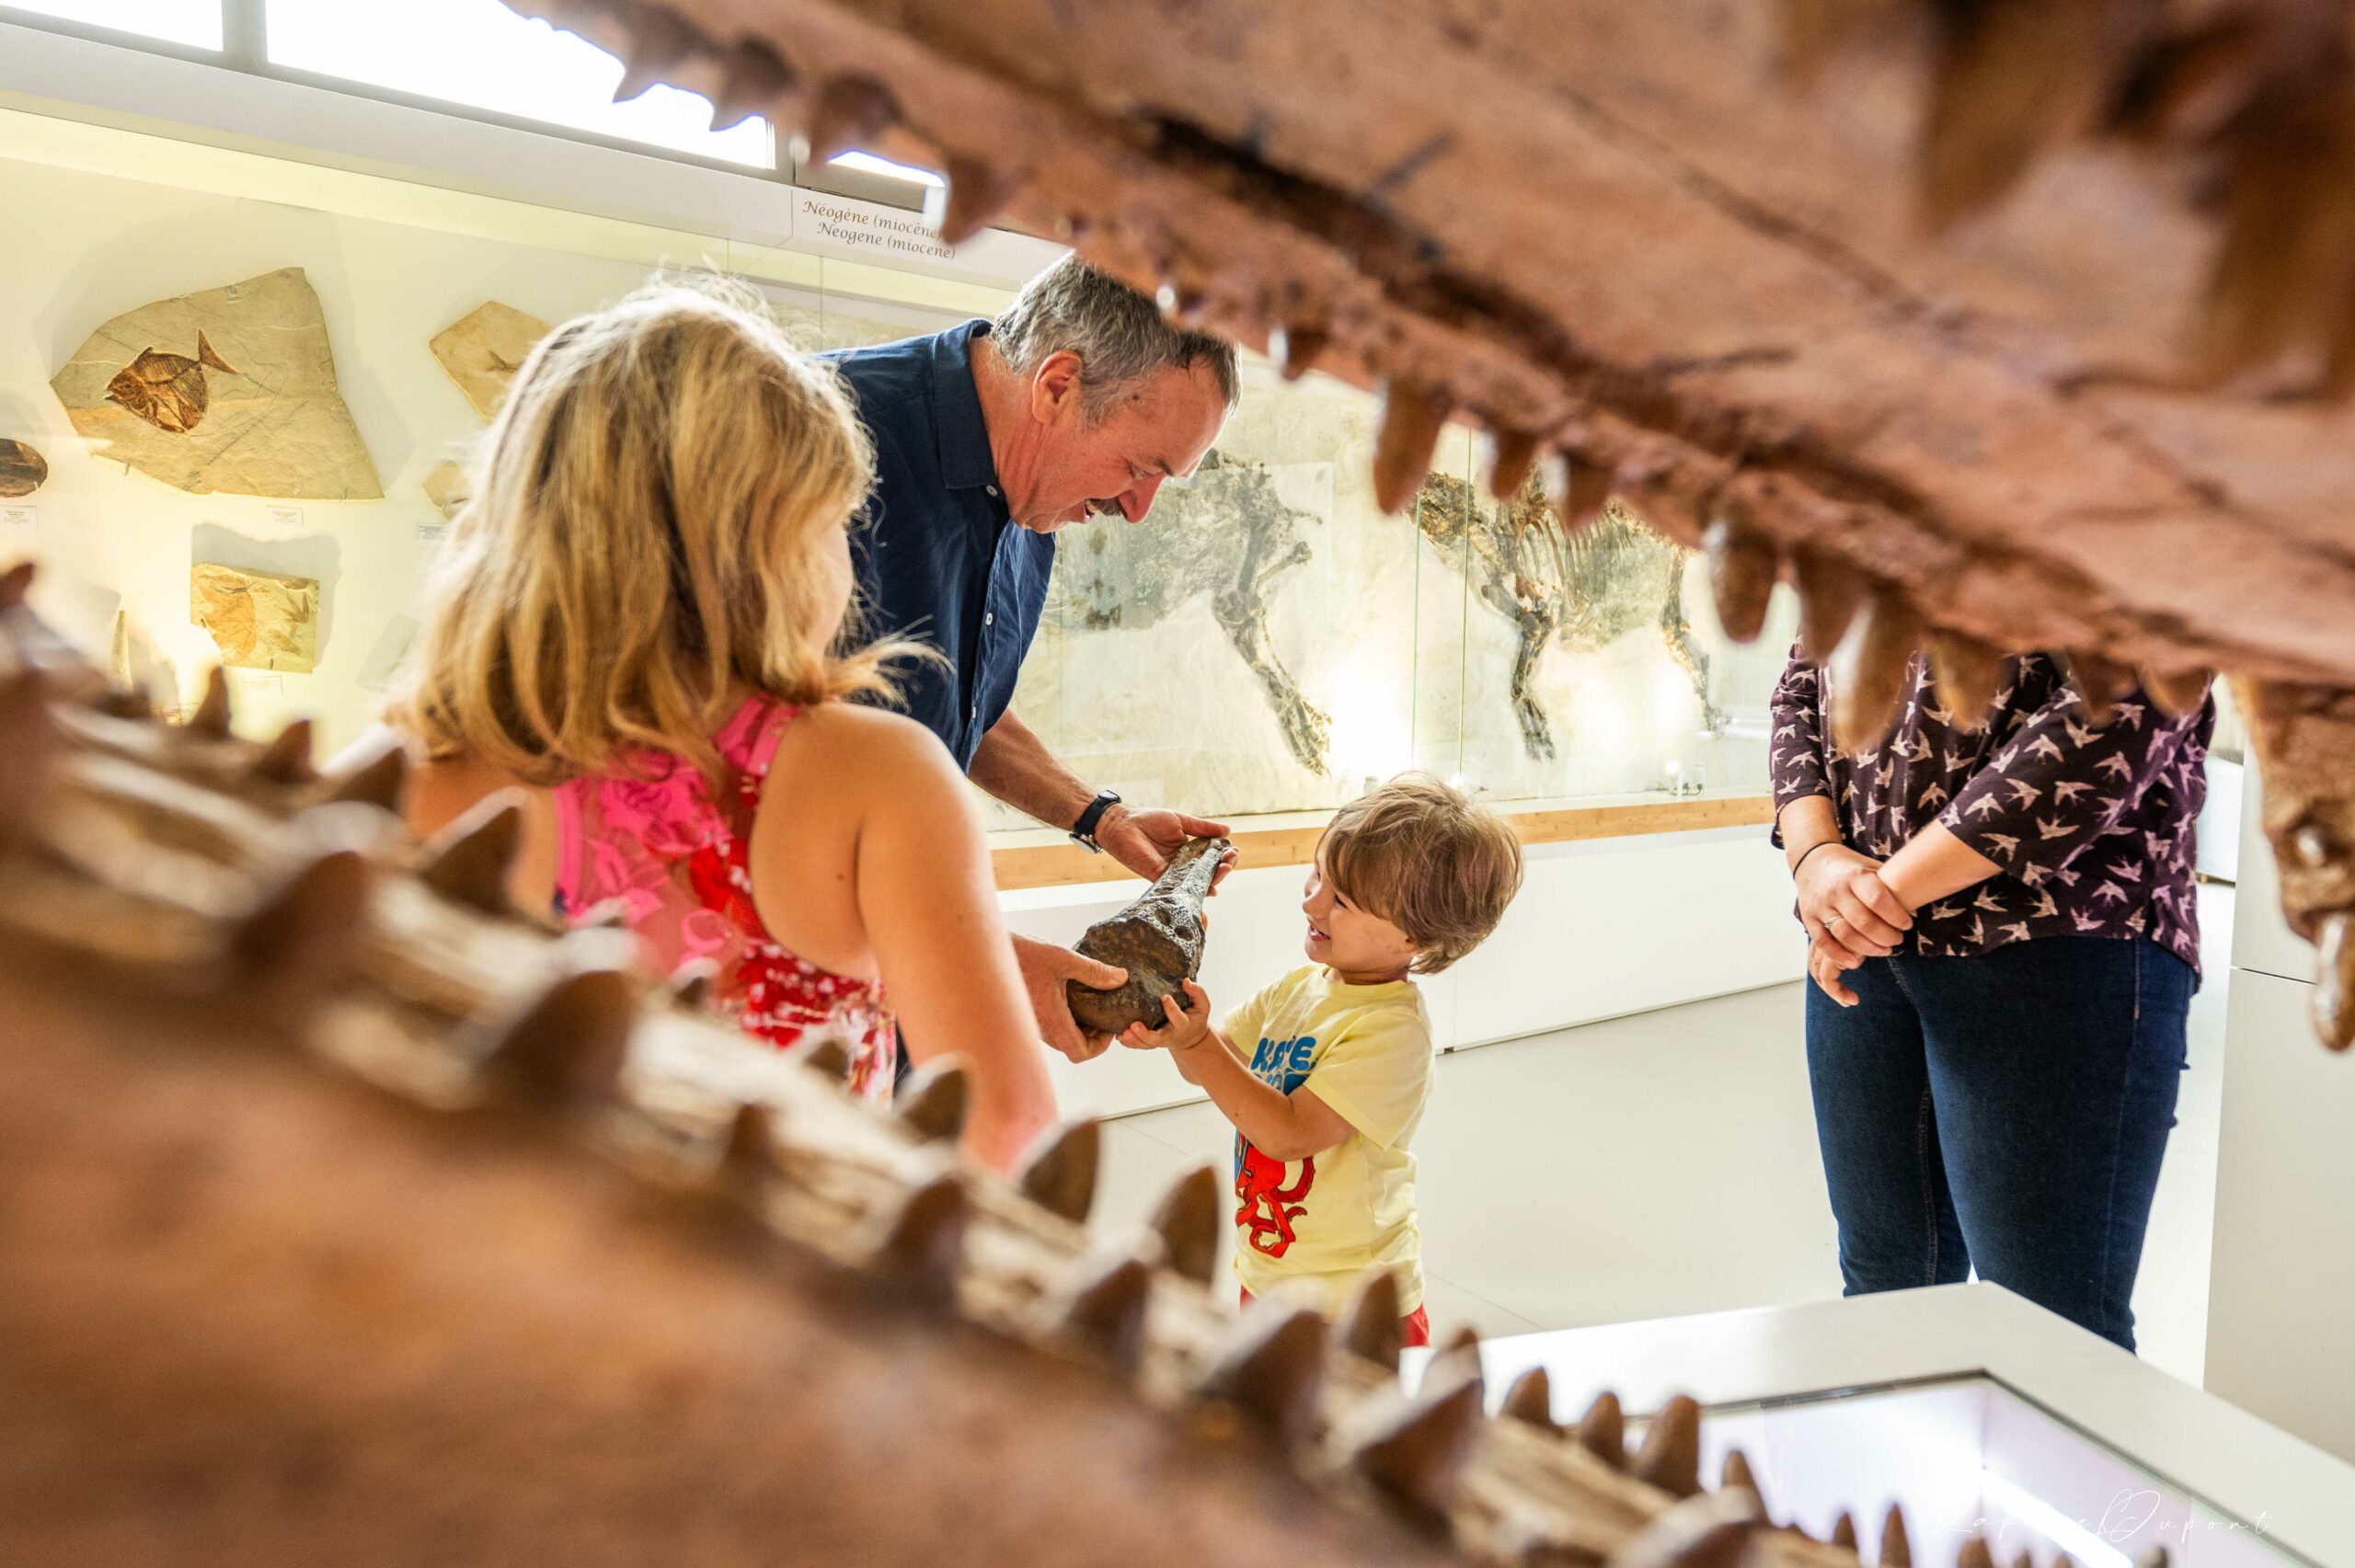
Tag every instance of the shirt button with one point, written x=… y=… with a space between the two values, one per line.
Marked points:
x=989 y=618
x=977 y=710
x=991 y=489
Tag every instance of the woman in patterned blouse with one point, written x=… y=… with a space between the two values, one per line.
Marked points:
x=2004 y=941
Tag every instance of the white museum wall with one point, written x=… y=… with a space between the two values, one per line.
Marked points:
x=1602 y=927
x=2280 y=1344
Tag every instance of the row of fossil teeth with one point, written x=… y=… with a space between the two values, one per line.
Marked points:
x=2262 y=96
x=571 y=1038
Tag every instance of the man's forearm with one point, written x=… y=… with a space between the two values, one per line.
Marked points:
x=1014 y=765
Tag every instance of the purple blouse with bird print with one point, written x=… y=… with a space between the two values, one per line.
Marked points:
x=2091 y=823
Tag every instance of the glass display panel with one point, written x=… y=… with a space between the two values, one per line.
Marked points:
x=479 y=54
x=193 y=22
x=1969 y=1455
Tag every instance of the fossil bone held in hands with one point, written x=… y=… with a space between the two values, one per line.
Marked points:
x=1158 y=939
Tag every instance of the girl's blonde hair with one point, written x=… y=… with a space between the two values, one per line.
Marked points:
x=648 y=528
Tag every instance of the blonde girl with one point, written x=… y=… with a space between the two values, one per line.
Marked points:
x=636 y=626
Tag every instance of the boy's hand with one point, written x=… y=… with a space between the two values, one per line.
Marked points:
x=1187 y=1028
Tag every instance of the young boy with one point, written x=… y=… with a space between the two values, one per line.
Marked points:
x=1325 y=1073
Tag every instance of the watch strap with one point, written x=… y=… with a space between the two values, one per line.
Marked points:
x=1083 y=831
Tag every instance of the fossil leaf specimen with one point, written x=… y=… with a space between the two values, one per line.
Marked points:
x=1158 y=940
x=483 y=349
x=168 y=391
x=256 y=411
x=258 y=620
x=22 y=470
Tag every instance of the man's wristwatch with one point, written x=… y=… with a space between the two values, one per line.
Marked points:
x=1082 y=832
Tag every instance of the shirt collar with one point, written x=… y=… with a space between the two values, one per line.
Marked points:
x=958 y=426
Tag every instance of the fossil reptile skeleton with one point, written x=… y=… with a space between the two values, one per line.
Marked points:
x=347 y=1213
x=1992 y=325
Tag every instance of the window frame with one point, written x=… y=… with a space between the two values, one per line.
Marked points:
x=244 y=47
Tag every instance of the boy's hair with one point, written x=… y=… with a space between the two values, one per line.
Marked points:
x=1428 y=859
x=654 y=518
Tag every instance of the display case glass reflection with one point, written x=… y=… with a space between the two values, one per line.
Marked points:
x=1970 y=1456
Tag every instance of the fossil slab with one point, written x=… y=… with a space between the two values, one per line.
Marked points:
x=258 y=620
x=1158 y=940
x=22 y=470
x=483 y=349
x=231 y=389
x=448 y=489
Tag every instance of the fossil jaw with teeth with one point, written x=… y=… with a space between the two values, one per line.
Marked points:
x=1910 y=295
x=344 y=1207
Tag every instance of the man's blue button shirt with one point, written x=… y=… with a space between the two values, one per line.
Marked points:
x=938 y=558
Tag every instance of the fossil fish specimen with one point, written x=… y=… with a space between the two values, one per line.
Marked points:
x=258 y=620
x=255 y=411
x=168 y=391
x=347 y=1212
x=1158 y=939
x=22 y=470
x=483 y=349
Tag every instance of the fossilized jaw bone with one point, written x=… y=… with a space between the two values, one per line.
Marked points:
x=2304 y=738
x=1158 y=939
x=1613 y=238
x=363 y=1173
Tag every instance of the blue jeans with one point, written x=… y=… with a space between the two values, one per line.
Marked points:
x=2006 y=1111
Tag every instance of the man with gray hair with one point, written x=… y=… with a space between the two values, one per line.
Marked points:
x=1079 y=400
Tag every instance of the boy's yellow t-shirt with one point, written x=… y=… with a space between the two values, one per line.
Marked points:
x=1315 y=1226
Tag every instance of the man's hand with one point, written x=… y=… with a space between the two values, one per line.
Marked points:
x=1144 y=840
x=1826 y=961
x=1045 y=969
x=1843 y=901
x=1187 y=1026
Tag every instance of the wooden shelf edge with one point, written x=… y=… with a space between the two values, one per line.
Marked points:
x=1066 y=865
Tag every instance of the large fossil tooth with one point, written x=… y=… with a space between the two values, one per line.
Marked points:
x=1967 y=675
x=1417 y=1449
x=1896 y=1547
x=125 y=701
x=1303 y=346
x=1516 y=454
x=1272 y=1368
x=1711 y=1531
x=747 y=1153
x=826 y=1056
x=1158 y=939
x=1188 y=1220
x=1974 y=1553
x=1584 y=493
x=1742 y=570
x=1736 y=1471
x=311 y=931
x=2098 y=684
x=2015 y=77
x=381 y=780
x=1060 y=1175
x=659 y=43
x=1530 y=1399
x=934 y=1101
x=921 y=1243
x=1830 y=591
x=1371 y=1329
x=2289 y=227
x=210 y=717
x=1670 y=1455
x=15 y=583
x=751 y=79
x=690 y=989
x=1603 y=1431
x=977 y=194
x=2177 y=693
x=1106 y=1315
x=468 y=860
x=1411 y=416
x=851 y=111
x=1458 y=1359
x=566 y=1046
x=1843 y=1531
x=1872 y=669
x=287 y=758
x=2334 y=1005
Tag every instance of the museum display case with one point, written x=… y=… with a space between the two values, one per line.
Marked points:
x=250 y=418
x=1977 y=1413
